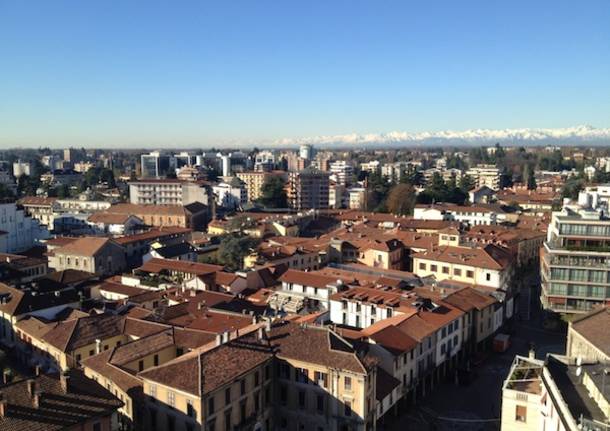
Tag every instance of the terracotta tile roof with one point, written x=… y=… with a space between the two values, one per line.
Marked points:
x=490 y=256
x=59 y=241
x=72 y=334
x=137 y=349
x=37 y=200
x=84 y=246
x=121 y=289
x=70 y=276
x=142 y=328
x=199 y=373
x=108 y=218
x=594 y=328
x=195 y=268
x=128 y=382
x=307 y=278
x=15 y=302
x=394 y=340
x=57 y=410
x=324 y=347
x=385 y=384
x=153 y=234
x=467 y=298
x=134 y=209
x=34 y=327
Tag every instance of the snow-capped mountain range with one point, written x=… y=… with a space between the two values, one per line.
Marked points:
x=568 y=136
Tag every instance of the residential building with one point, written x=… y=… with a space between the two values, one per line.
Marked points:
x=97 y=255
x=304 y=291
x=230 y=195
x=115 y=224
x=32 y=404
x=554 y=394
x=341 y=172
x=194 y=392
x=575 y=261
x=485 y=175
x=168 y=192
x=253 y=182
x=490 y=266
x=589 y=337
x=193 y=215
x=308 y=189
x=18 y=231
x=39 y=208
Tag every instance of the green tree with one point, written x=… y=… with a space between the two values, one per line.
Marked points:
x=273 y=194
x=233 y=248
x=467 y=183
x=401 y=199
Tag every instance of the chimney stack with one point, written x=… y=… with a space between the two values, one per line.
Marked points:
x=3 y=405
x=64 y=379
x=6 y=376
x=218 y=339
x=31 y=387
x=37 y=398
x=98 y=346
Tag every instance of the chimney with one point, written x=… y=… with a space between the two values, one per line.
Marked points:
x=98 y=346
x=218 y=339
x=37 y=398
x=3 y=405
x=31 y=387
x=6 y=376
x=64 y=380
x=38 y=370
x=268 y=325
x=532 y=354
x=260 y=333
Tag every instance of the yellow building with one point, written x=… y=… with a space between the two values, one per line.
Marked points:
x=253 y=182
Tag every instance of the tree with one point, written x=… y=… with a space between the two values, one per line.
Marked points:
x=467 y=183
x=233 y=248
x=401 y=199
x=273 y=194
x=5 y=192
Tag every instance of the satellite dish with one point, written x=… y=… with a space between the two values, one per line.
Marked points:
x=578 y=371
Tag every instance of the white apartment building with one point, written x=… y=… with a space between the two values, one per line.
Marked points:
x=393 y=171
x=230 y=195
x=21 y=168
x=341 y=172
x=485 y=175
x=18 y=232
x=166 y=192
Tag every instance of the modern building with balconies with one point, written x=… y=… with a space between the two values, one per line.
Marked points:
x=575 y=260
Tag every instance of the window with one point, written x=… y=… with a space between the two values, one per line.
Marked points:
x=97 y=426
x=171 y=398
x=211 y=408
x=190 y=409
x=140 y=365
x=488 y=276
x=433 y=268
x=521 y=414
x=422 y=266
x=347 y=383
x=457 y=272
x=445 y=270
x=283 y=395
x=212 y=425
x=320 y=403
x=321 y=379
x=302 y=399
x=348 y=407
x=242 y=387
x=470 y=274
x=171 y=423
x=78 y=357
x=152 y=391
x=257 y=401
x=228 y=396
x=228 y=426
x=156 y=360
x=256 y=379
x=242 y=411
x=301 y=375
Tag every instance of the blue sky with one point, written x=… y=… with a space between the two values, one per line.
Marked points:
x=187 y=73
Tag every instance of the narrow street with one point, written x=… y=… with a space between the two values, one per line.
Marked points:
x=477 y=405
